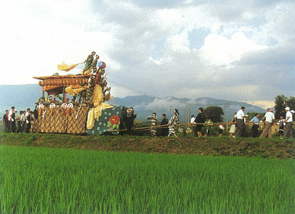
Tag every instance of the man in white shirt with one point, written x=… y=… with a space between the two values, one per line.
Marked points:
x=240 y=121
x=289 y=123
x=269 y=117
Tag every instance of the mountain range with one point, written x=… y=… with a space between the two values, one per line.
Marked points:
x=23 y=96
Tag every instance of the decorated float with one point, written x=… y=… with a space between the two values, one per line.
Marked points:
x=77 y=103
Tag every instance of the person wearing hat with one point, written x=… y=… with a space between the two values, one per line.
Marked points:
x=269 y=117
x=240 y=122
x=289 y=123
x=88 y=62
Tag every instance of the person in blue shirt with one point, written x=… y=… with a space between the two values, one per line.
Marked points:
x=255 y=121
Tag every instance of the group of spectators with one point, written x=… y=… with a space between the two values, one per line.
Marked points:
x=18 y=122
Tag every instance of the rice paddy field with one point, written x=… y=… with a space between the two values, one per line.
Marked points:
x=53 y=180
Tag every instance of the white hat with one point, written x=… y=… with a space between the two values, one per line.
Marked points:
x=287 y=108
x=292 y=111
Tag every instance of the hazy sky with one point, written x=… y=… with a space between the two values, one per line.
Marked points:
x=239 y=50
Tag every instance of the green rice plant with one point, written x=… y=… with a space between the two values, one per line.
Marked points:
x=46 y=180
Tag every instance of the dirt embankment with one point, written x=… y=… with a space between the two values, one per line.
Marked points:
x=251 y=147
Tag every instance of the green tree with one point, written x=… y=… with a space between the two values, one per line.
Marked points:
x=280 y=104
x=291 y=103
x=252 y=114
x=214 y=113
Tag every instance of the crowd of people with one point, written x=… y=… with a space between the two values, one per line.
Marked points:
x=237 y=125
x=18 y=122
x=168 y=127
x=23 y=121
x=238 y=128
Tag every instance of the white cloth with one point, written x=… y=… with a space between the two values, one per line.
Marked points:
x=10 y=114
x=193 y=120
x=232 y=129
x=289 y=114
x=23 y=118
x=269 y=117
x=240 y=114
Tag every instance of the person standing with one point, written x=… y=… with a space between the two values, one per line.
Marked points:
x=282 y=126
x=208 y=124
x=28 y=124
x=18 y=120
x=164 y=125
x=232 y=130
x=23 y=121
x=200 y=119
x=221 y=128
x=88 y=62
x=154 y=123
x=244 y=132
x=269 y=117
x=173 y=123
x=94 y=64
x=129 y=120
x=6 y=121
x=192 y=119
x=240 y=122
x=255 y=126
x=12 y=119
x=289 y=123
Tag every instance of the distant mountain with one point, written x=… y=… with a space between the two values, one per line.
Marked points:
x=146 y=105
x=20 y=96
x=23 y=96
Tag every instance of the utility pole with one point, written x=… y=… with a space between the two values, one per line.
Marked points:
x=227 y=106
x=188 y=114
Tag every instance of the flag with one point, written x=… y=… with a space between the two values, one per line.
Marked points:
x=65 y=67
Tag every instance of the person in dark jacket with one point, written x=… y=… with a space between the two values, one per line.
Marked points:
x=200 y=119
x=129 y=120
x=13 y=121
x=164 y=129
x=6 y=121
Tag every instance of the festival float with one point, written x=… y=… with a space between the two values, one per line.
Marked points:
x=76 y=104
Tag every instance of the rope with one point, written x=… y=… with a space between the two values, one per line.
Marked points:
x=183 y=125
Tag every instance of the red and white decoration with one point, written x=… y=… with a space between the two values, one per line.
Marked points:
x=64 y=107
x=40 y=107
x=52 y=107
x=70 y=106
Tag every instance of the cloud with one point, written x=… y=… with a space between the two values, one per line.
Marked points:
x=232 y=50
x=169 y=103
